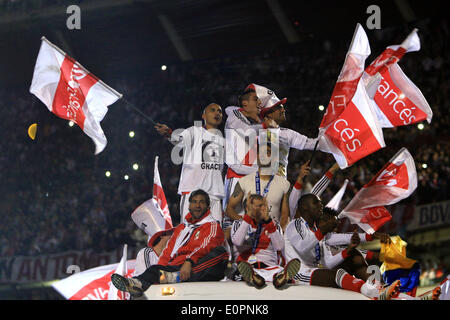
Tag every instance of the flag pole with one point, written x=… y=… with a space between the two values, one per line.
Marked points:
x=314 y=151
x=139 y=111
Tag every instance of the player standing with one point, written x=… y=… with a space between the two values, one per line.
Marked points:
x=203 y=150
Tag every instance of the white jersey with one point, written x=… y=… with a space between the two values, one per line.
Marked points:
x=202 y=161
x=292 y=139
x=278 y=187
x=333 y=247
x=270 y=241
x=244 y=156
x=303 y=242
x=318 y=189
x=312 y=248
x=241 y=158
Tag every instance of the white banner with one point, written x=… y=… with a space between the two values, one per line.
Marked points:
x=430 y=215
x=22 y=269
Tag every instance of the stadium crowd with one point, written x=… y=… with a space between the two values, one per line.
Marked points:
x=56 y=197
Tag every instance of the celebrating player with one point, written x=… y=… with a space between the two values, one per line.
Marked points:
x=258 y=239
x=194 y=252
x=202 y=159
x=302 y=240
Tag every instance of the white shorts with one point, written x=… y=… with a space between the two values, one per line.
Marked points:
x=304 y=275
x=144 y=260
x=269 y=272
x=215 y=207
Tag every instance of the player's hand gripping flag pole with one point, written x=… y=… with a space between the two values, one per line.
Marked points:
x=71 y=92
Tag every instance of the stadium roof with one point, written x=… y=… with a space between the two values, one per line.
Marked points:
x=130 y=35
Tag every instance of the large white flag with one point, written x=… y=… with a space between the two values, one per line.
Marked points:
x=122 y=269
x=159 y=196
x=356 y=133
x=92 y=284
x=348 y=78
x=396 y=99
x=396 y=181
x=71 y=92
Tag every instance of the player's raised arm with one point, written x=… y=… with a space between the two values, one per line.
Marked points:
x=235 y=200
x=297 y=188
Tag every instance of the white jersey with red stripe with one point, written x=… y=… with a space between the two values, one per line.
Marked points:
x=202 y=161
x=270 y=241
x=241 y=157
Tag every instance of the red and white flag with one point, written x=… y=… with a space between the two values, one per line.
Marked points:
x=122 y=269
x=92 y=284
x=159 y=196
x=356 y=133
x=153 y=216
x=396 y=181
x=71 y=92
x=348 y=79
x=396 y=99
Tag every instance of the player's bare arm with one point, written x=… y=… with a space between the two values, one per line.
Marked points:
x=163 y=129
x=334 y=168
x=235 y=199
x=304 y=171
x=185 y=271
x=284 y=218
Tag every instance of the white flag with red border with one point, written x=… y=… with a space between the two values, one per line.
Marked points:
x=92 y=284
x=397 y=100
x=396 y=181
x=349 y=76
x=160 y=197
x=356 y=133
x=71 y=92
x=122 y=269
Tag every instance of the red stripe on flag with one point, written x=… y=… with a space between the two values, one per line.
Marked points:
x=73 y=87
x=395 y=105
x=352 y=135
x=376 y=217
x=391 y=175
x=342 y=94
x=387 y=58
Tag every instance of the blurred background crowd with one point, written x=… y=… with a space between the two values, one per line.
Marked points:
x=55 y=195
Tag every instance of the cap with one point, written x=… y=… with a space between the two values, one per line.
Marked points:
x=268 y=98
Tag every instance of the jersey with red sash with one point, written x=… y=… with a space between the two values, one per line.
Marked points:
x=192 y=240
x=270 y=240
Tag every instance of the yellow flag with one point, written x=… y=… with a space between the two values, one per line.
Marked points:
x=393 y=255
